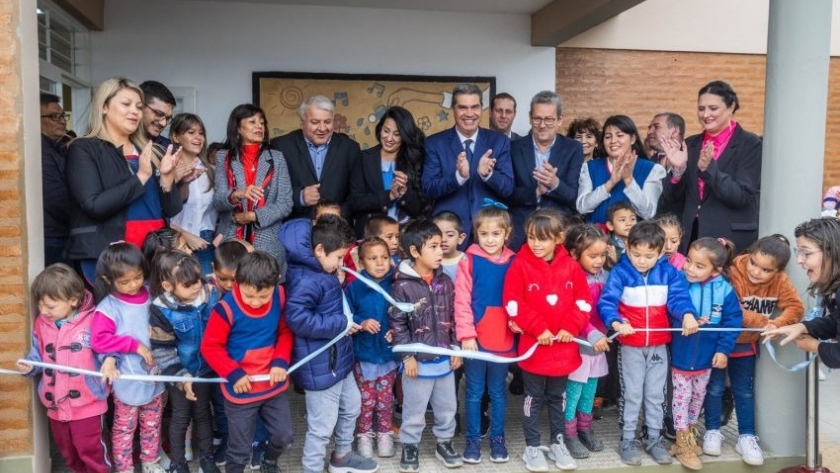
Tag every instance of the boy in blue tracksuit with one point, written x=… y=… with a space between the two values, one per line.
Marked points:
x=315 y=315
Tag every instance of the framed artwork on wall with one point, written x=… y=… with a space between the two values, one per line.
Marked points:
x=361 y=100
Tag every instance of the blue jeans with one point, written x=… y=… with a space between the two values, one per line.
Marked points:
x=205 y=256
x=741 y=379
x=494 y=375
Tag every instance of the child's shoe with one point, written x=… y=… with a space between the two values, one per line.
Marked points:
x=220 y=454
x=628 y=450
x=534 y=459
x=692 y=429
x=153 y=468
x=257 y=454
x=207 y=465
x=711 y=442
x=351 y=462
x=178 y=468
x=163 y=459
x=385 y=444
x=409 y=460
x=446 y=453
x=560 y=455
x=472 y=451
x=657 y=449
x=684 y=450
x=749 y=450
x=585 y=434
x=269 y=466
x=364 y=444
x=575 y=447
x=498 y=450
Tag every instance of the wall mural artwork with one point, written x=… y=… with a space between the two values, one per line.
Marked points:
x=361 y=99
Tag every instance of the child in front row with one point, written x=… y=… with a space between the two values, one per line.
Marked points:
x=316 y=315
x=452 y=230
x=621 y=216
x=759 y=279
x=121 y=333
x=376 y=365
x=426 y=378
x=247 y=335
x=547 y=298
x=641 y=292
x=694 y=356
x=178 y=317
x=61 y=334
x=481 y=324
x=587 y=243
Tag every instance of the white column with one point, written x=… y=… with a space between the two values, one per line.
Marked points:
x=798 y=44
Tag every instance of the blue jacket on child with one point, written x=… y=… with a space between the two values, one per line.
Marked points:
x=369 y=304
x=314 y=311
x=717 y=301
x=187 y=323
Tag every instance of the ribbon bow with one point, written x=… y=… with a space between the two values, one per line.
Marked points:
x=488 y=202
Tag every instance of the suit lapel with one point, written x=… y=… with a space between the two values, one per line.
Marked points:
x=373 y=169
x=263 y=166
x=727 y=156
x=330 y=158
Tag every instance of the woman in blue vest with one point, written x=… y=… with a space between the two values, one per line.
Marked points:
x=621 y=176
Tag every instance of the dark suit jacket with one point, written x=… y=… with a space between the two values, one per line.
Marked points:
x=440 y=184
x=567 y=156
x=342 y=156
x=368 y=196
x=729 y=207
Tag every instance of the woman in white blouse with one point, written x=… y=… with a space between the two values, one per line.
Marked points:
x=621 y=176
x=197 y=221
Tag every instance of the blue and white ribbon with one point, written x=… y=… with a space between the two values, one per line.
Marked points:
x=402 y=306
x=128 y=377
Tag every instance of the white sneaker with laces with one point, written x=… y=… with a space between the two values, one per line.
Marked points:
x=560 y=455
x=711 y=442
x=749 y=450
x=534 y=459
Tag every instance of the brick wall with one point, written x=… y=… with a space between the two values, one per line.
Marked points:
x=603 y=82
x=15 y=393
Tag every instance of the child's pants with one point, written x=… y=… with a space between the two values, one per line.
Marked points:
x=126 y=419
x=644 y=377
x=377 y=397
x=417 y=394
x=330 y=411
x=485 y=377
x=185 y=411
x=80 y=443
x=741 y=372
x=540 y=390
x=242 y=422
x=689 y=393
x=580 y=397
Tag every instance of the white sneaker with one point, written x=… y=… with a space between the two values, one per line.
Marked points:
x=561 y=456
x=153 y=468
x=749 y=450
x=163 y=459
x=364 y=444
x=534 y=459
x=711 y=442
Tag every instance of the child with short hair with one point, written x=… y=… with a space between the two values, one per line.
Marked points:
x=225 y=260
x=759 y=279
x=481 y=324
x=61 y=335
x=426 y=378
x=587 y=244
x=547 y=298
x=178 y=317
x=324 y=207
x=672 y=227
x=378 y=226
x=247 y=335
x=694 y=356
x=452 y=229
x=641 y=291
x=315 y=316
x=376 y=365
x=120 y=333
x=621 y=216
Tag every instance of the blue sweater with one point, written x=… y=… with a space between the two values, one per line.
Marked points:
x=599 y=174
x=715 y=299
x=369 y=304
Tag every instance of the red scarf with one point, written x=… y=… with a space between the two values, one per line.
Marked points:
x=249 y=157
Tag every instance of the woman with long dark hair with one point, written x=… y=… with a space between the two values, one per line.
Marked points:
x=253 y=192
x=624 y=175
x=388 y=180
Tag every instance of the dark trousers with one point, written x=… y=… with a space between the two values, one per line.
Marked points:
x=275 y=412
x=81 y=444
x=542 y=390
x=220 y=424
x=184 y=411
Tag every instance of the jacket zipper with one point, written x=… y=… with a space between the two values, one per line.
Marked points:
x=697 y=342
x=434 y=314
x=647 y=312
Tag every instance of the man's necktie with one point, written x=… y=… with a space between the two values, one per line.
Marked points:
x=468 y=150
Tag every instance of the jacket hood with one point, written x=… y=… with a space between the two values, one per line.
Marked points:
x=296 y=237
x=506 y=255
x=406 y=271
x=529 y=255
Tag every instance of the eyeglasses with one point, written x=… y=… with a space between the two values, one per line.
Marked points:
x=548 y=121
x=799 y=252
x=57 y=117
x=160 y=116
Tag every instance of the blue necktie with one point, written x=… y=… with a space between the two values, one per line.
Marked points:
x=468 y=150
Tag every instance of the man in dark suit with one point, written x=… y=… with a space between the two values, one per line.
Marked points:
x=54 y=186
x=319 y=160
x=502 y=115
x=546 y=165
x=466 y=164
x=665 y=125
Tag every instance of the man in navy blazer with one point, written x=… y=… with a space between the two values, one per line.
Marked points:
x=466 y=164
x=546 y=166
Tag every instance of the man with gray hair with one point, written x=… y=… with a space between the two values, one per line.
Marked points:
x=546 y=165
x=318 y=159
